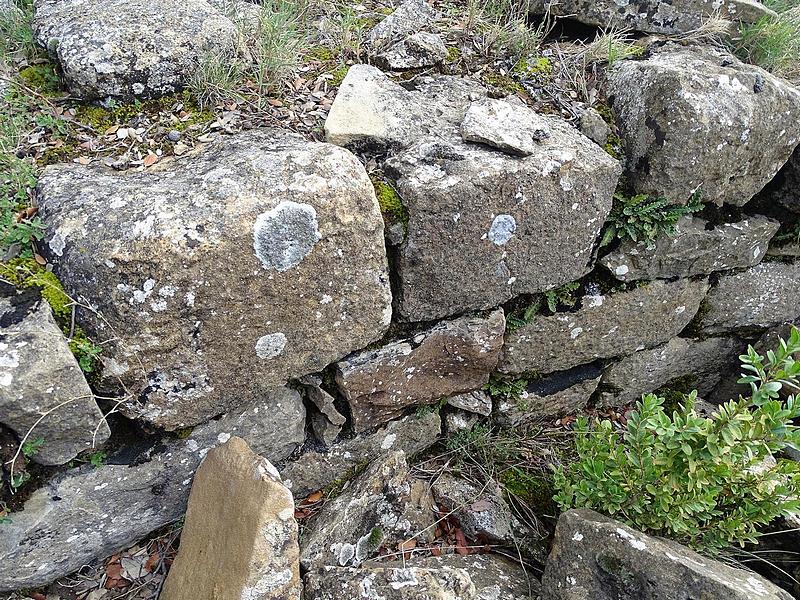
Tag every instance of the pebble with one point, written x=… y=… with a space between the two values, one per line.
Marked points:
x=174 y=136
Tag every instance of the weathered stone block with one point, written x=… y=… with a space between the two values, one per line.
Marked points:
x=221 y=276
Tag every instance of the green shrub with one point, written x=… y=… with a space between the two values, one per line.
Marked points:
x=703 y=481
x=644 y=218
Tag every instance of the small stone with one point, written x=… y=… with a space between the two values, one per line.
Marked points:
x=326 y=421
x=415 y=52
x=239 y=535
x=482 y=512
x=409 y=17
x=477 y=402
x=594 y=127
x=174 y=136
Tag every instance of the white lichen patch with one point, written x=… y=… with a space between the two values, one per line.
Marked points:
x=502 y=229
x=285 y=235
x=638 y=544
x=270 y=345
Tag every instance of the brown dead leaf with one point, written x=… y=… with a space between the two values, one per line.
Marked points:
x=111 y=130
x=150 y=160
x=436 y=551
x=407 y=546
x=152 y=562
x=461 y=543
x=313 y=498
x=83 y=160
x=39 y=259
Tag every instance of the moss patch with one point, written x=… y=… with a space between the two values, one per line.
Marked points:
x=42 y=77
x=540 y=68
x=534 y=489
x=100 y=118
x=503 y=83
x=391 y=205
x=339 y=73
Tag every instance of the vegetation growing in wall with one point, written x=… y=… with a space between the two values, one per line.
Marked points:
x=564 y=297
x=773 y=42
x=643 y=218
x=707 y=482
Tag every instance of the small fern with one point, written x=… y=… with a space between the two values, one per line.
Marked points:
x=644 y=218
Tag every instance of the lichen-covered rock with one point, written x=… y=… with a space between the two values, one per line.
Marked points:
x=602 y=559
x=408 y=18
x=694 y=250
x=603 y=327
x=755 y=298
x=482 y=513
x=43 y=394
x=316 y=470
x=484 y=226
x=477 y=402
x=511 y=127
x=389 y=583
x=698 y=364
x=594 y=127
x=268 y=265
x=326 y=421
x=653 y=16
x=372 y=109
x=131 y=48
x=557 y=395
x=415 y=52
x=88 y=513
x=449 y=358
x=699 y=119
x=455 y=420
x=239 y=539
x=385 y=506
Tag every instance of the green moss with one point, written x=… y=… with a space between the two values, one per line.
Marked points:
x=613 y=146
x=339 y=73
x=391 y=204
x=63 y=153
x=538 y=68
x=42 y=77
x=336 y=487
x=504 y=83
x=534 y=489
x=453 y=54
x=375 y=537
x=26 y=273
x=322 y=53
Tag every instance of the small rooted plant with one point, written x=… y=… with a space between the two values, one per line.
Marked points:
x=31 y=447
x=561 y=297
x=505 y=389
x=612 y=46
x=708 y=482
x=644 y=218
x=773 y=42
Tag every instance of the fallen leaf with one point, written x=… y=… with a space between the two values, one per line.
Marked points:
x=150 y=160
x=152 y=562
x=407 y=546
x=39 y=259
x=436 y=551
x=461 y=543
x=84 y=160
x=313 y=498
x=111 y=130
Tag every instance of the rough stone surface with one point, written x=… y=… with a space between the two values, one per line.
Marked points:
x=85 y=514
x=326 y=421
x=416 y=51
x=389 y=583
x=39 y=374
x=455 y=420
x=449 y=358
x=130 y=48
x=239 y=539
x=599 y=558
x=560 y=394
x=315 y=470
x=372 y=109
x=482 y=513
x=384 y=507
x=694 y=250
x=511 y=127
x=698 y=118
x=269 y=264
x=477 y=402
x=594 y=126
x=760 y=297
x=699 y=363
x=409 y=17
x=653 y=16
x=484 y=226
x=785 y=188
x=604 y=327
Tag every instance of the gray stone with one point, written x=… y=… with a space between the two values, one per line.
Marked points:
x=449 y=358
x=314 y=471
x=416 y=51
x=240 y=536
x=131 y=48
x=455 y=420
x=43 y=394
x=603 y=327
x=594 y=126
x=495 y=577
x=700 y=363
x=389 y=583
x=602 y=559
x=484 y=227
x=89 y=513
x=268 y=265
x=477 y=402
x=372 y=109
x=510 y=127
x=652 y=16
x=699 y=119
x=385 y=506
x=756 y=298
x=694 y=250
x=409 y=17
x=482 y=513
x=548 y=398
x=326 y=421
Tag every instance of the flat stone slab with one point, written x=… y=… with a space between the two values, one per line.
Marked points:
x=240 y=536
x=89 y=513
x=224 y=274
x=695 y=118
x=131 y=48
x=755 y=298
x=389 y=583
x=449 y=358
x=603 y=327
x=694 y=250
x=602 y=559
x=43 y=393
